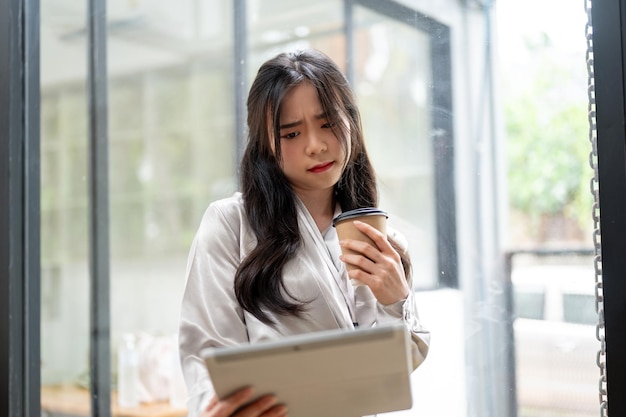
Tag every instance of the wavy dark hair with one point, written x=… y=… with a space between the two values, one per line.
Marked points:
x=269 y=200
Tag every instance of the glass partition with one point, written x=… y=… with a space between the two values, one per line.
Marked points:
x=392 y=80
x=475 y=122
x=172 y=151
x=543 y=88
x=64 y=203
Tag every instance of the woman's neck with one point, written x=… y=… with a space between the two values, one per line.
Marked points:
x=321 y=207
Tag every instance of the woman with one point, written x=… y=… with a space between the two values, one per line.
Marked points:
x=267 y=263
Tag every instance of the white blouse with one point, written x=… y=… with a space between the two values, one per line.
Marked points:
x=212 y=317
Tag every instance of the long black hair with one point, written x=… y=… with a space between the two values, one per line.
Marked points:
x=269 y=200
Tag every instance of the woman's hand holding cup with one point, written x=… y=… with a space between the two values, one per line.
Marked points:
x=369 y=257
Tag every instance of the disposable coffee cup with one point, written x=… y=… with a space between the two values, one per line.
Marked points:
x=344 y=223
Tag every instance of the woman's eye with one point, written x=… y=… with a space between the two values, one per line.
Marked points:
x=328 y=125
x=290 y=135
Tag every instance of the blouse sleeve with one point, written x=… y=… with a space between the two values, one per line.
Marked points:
x=210 y=315
x=405 y=311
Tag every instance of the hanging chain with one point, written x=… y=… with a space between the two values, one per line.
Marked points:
x=597 y=260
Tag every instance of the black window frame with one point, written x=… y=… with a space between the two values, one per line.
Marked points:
x=609 y=66
x=20 y=268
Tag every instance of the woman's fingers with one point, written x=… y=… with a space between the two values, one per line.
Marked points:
x=387 y=286
x=264 y=407
x=379 y=239
x=380 y=267
x=382 y=253
x=227 y=406
x=239 y=405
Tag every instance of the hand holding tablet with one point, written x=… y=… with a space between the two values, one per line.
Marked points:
x=333 y=373
x=240 y=402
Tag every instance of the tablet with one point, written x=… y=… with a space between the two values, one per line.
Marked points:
x=340 y=373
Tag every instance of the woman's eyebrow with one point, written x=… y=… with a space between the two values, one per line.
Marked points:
x=322 y=115
x=290 y=125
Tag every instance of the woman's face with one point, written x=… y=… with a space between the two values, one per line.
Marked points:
x=312 y=156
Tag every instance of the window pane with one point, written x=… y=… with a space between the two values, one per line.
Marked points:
x=544 y=104
x=393 y=80
x=172 y=151
x=64 y=207
x=555 y=351
x=529 y=304
x=580 y=309
x=280 y=25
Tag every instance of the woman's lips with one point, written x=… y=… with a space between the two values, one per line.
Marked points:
x=321 y=167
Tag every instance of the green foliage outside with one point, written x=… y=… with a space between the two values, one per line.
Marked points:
x=548 y=145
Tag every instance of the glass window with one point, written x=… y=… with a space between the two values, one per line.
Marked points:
x=172 y=151
x=64 y=204
x=579 y=309
x=280 y=25
x=529 y=304
x=392 y=80
x=173 y=148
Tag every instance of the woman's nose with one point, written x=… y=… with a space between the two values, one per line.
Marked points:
x=315 y=144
